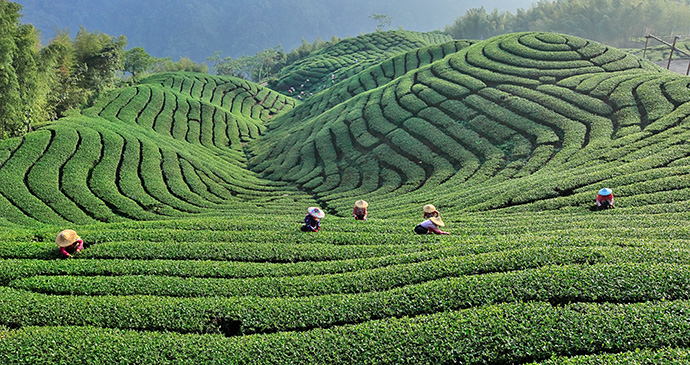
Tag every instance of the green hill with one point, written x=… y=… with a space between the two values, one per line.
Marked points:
x=528 y=121
x=349 y=57
x=169 y=147
x=189 y=191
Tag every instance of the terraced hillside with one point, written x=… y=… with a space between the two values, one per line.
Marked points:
x=527 y=121
x=169 y=147
x=191 y=257
x=349 y=57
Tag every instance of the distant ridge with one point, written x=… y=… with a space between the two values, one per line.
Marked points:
x=349 y=57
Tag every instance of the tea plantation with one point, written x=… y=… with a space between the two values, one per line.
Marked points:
x=189 y=191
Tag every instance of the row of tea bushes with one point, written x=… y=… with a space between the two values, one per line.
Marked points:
x=349 y=56
x=551 y=281
x=520 y=333
x=494 y=111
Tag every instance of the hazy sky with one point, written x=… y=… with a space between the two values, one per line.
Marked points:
x=197 y=28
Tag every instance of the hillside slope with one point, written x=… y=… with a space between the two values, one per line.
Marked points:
x=169 y=147
x=521 y=122
x=349 y=57
x=525 y=121
x=191 y=258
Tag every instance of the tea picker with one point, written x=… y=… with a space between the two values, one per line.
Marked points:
x=312 y=222
x=360 y=210
x=69 y=242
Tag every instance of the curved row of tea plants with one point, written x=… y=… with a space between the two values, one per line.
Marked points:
x=215 y=112
x=86 y=169
x=338 y=62
x=520 y=332
x=377 y=75
x=525 y=116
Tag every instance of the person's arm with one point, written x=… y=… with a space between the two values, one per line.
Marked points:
x=354 y=211
x=64 y=252
x=365 y=213
x=80 y=244
x=435 y=230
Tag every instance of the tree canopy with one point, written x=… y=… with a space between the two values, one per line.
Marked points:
x=39 y=84
x=614 y=22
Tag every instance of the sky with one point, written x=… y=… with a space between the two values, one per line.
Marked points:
x=198 y=28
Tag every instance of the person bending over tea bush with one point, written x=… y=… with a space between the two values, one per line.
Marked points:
x=604 y=199
x=69 y=242
x=360 y=210
x=430 y=226
x=312 y=222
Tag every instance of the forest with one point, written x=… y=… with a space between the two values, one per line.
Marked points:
x=618 y=23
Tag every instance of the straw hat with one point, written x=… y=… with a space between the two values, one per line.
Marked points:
x=429 y=208
x=361 y=204
x=605 y=191
x=316 y=212
x=66 y=238
x=437 y=221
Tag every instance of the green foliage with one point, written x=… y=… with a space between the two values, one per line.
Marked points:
x=137 y=61
x=21 y=93
x=616 y=23
x=98 y=56
x=189 y=190
x=345 y=58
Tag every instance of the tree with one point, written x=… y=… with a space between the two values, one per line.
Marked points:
x=101 y=56
x=31 y=92
x=62 y=76
x=20 y=100
x=259 y=67
x=267 y=62
x=137 y=62
x=382 y=21
x=9 y=84
x=185 y=64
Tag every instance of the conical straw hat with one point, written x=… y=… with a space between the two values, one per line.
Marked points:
x=429 y=208
x=361 y=204
x=66 y=238
x=437 y=221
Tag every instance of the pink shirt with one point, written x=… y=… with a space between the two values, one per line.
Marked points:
x=79 y=243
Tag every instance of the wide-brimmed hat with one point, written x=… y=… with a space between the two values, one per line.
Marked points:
x=429 y=208
x=605 y=191
x=437 y=221
x=316 y=212
x=66 y=238
x=361 y=204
